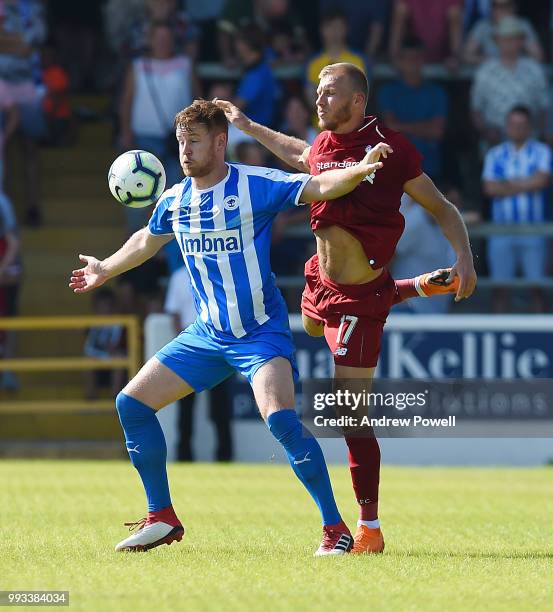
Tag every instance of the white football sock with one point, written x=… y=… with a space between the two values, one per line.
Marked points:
x=418 y=286
x=370 y=524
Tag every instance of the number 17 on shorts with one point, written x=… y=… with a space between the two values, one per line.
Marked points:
x=354 y=341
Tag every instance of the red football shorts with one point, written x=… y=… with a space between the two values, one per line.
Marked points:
x=353 y=315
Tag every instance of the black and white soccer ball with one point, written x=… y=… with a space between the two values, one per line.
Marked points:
x=136 y=179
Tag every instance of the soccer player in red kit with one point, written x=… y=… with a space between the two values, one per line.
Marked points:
x=349 y=291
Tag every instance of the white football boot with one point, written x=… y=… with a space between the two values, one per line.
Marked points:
x=151 y=533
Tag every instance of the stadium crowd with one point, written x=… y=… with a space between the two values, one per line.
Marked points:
x=468 y=82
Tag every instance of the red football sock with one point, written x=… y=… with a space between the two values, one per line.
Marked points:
x=364 y=465
x=341 y=526
x=405 y=289
x=165 y=515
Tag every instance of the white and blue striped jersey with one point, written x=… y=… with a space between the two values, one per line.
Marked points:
x=224 y=234
x=506 y=162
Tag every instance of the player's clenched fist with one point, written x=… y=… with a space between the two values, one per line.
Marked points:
x=87 y=278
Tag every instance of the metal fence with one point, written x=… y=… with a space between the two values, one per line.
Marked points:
x=131 y=362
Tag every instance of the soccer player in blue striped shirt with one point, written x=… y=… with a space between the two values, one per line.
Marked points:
x=221 y=216
x=516 y=174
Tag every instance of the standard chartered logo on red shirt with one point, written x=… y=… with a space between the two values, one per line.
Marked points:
x=332 y=165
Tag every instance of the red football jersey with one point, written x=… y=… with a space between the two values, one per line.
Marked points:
x=371 y=211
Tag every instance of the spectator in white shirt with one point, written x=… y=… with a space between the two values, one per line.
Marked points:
x=157 y=87
x=508 y=81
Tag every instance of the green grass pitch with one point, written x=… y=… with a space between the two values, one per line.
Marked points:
x=455 y=539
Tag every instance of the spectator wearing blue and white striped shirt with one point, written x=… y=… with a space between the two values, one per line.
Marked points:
x=516 y=174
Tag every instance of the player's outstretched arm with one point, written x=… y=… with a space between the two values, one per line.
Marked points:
x=423 y=191
x=291 y=150
x=139 y=247
x=333 y=184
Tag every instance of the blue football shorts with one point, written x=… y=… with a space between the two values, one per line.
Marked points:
x=203 y=358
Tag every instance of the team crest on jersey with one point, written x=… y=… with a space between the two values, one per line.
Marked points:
x=231 y=202
x=370 y=177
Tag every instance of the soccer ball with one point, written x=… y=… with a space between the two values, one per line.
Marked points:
x=136 y=179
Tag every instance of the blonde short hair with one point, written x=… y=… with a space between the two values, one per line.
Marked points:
x=355 y=75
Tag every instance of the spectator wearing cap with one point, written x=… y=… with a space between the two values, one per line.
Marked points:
x=416 y=107
x=516 y=174
x=481 y=43
x=438 y=24
x=507 y=81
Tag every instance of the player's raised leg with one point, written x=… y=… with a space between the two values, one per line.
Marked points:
x=154 y=387
x=438 y=282
x=273 y=389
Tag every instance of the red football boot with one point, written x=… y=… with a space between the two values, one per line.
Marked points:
x=337 y=540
